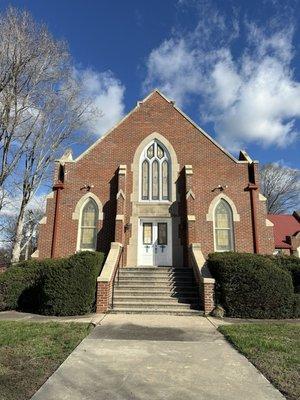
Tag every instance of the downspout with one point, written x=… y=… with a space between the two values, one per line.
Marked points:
x=252 y=187
x=57 y=188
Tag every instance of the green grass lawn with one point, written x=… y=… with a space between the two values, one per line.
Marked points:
x=274 y=348
x=30 y=352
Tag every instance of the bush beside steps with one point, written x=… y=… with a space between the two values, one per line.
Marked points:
x=256 y=286
x=65 y=286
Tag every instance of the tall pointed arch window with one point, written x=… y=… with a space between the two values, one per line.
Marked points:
x=155 y=173
x=88 y=225
x=223 y=227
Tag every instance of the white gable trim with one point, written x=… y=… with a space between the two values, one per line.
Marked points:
x=177 y=109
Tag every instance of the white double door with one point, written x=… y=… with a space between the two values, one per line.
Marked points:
x=155 y=242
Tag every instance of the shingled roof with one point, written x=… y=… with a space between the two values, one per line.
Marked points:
x=285 y=226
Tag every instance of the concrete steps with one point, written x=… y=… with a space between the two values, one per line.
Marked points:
x=156 y=290
x=159 y=311
x=151 y=299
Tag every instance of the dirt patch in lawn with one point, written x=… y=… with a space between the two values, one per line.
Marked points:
x=30 y=352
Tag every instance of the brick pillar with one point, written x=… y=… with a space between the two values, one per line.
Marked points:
x=119 y=235
x=105 y=281
x=205 y=282
x=104 y=290
x=190 y=204
x=207 y=295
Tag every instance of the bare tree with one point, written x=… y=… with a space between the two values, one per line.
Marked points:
x=281 y=186
x=42 y=106
x=32 y=217
x=30 y=63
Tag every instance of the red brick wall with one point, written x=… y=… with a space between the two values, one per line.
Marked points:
x=207 y=294
x=211 y=167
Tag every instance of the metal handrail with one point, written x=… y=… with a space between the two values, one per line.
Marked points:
x=117 y=272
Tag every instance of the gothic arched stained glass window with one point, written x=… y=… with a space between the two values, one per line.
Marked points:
x=145 y=180
x=155 y=180
x=88 y=226
x=223 y=227
x=165 y=180
x=155 y=173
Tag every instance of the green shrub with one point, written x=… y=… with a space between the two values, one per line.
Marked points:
x=69 y=287
x=19 y=288
x=252 y=286
x=63 y=286
x=292 y=264
x=296 y=305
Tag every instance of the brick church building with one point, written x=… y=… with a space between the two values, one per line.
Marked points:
x=157 y=184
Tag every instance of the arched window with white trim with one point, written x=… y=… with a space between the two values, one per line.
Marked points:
x=88 y=226
x=155 y=173
x=223 y=227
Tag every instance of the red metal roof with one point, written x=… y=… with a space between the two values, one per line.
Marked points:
x=284 y=225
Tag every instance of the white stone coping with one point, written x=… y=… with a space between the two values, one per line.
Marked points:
x=35 y=254
x=200 y=264
x=50 y=195
x=111 y=262
x=261 y=197
x=121 y=193
x=122 y=169
x=190 y=193
x=189 y=169
x=43 y=221
x=269 y=223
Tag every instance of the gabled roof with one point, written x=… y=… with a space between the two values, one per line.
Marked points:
x=284 y=225
x=240 y=161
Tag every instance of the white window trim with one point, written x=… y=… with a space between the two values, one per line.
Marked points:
x=87 y=199
x=231 y=229
x=215 y=201
x=150 y=162
x=77 y=212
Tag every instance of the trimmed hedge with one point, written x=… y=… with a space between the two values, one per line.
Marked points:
x=15 y=284
x=252 y=286
x=291 y=264
x=297 y=305
x=69 y=289
x=63 y=286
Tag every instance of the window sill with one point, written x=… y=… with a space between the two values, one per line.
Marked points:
x=80 y=250
x=153 y=202
x=224 y=251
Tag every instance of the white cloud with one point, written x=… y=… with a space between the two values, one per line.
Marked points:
x=12 y=204
x=250 y=98
x=107 y=95
x=172 y=66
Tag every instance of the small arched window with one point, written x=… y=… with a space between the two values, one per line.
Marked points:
x=155 y=173
x=88 y=225
x=223 y=227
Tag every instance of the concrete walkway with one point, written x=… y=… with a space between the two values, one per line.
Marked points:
x=20 y=316
x=96 y=319
x=147 y=357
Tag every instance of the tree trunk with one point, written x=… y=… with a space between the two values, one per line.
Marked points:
x=16 y=250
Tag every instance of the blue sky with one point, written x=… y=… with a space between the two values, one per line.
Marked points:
x=234 y=67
